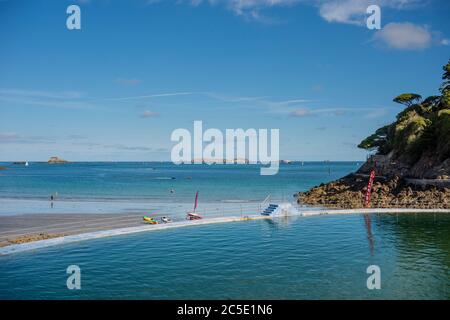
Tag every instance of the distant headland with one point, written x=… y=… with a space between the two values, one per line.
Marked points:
x=57 y=160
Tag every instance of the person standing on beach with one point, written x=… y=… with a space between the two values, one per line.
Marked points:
x=51 y=201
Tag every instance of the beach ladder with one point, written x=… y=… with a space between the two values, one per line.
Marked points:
x=270 y=209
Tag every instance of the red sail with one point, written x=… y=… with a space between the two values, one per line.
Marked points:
x=369 y=189
x=196 y=201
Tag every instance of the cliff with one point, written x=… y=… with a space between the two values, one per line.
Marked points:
x=411 y=159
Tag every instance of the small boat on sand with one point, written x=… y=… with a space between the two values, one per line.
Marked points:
x=193 y=215
x=150 y=220
x=166 y=219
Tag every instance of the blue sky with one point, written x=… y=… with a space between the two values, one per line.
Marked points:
x=137 y=70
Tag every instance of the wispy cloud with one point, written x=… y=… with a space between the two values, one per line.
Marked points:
x=119 y=147
x=149 y=96
x=263 y=101
x=294 y=107
x=41 y=94
x=286 y=103
x=64 y=99
x=226 y=98
x=250 y=9
x=75 y=99
x=366 y=112
x=128 y=148
x=335 y=11
x=211 y=95
x=13 y=137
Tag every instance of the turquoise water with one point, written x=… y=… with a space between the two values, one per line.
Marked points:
x=152 y=181
x=322 y=257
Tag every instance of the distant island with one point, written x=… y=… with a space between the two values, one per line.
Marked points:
x=57 y=160
x=411 y=160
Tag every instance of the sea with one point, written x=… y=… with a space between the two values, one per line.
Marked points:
x=316 y=257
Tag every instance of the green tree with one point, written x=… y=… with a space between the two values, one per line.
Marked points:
x=445 y=87
x=431 y=101
x=408 y=99
x=379 y=140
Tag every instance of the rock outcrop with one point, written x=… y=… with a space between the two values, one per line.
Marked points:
x=412 y=160
x=57 y=160
x=349 y=192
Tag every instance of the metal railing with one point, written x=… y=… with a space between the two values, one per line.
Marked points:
x=241 y=209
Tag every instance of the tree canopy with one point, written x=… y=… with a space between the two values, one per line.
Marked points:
x=422 y=126
x=445 y=88
x=408 y=99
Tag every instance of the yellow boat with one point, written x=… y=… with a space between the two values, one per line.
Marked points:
x=150 y=220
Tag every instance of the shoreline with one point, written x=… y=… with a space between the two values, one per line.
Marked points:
x=393 y=192
x=137 y=226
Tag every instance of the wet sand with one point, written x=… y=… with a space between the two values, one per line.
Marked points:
x=31 y=227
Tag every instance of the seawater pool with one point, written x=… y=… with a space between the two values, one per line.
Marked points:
x=320 y=257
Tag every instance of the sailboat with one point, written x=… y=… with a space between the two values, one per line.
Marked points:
x=193 y=215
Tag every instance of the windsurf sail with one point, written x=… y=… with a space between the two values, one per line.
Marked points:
x=369 y=189
x=196 y=201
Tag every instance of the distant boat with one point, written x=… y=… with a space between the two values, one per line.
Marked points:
x=26 y=164
x=23 y=163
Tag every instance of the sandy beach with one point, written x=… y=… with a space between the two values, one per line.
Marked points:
x=26 y=228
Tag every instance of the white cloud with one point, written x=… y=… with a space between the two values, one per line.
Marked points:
x=149 y=114
x=247 y=8
x=351 y=12
x=339 y=11
x=354 y=11
x=300 y=113
x=404 y=36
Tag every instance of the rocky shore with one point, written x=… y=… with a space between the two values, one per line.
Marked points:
x=349 y=192
x=30 y=238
